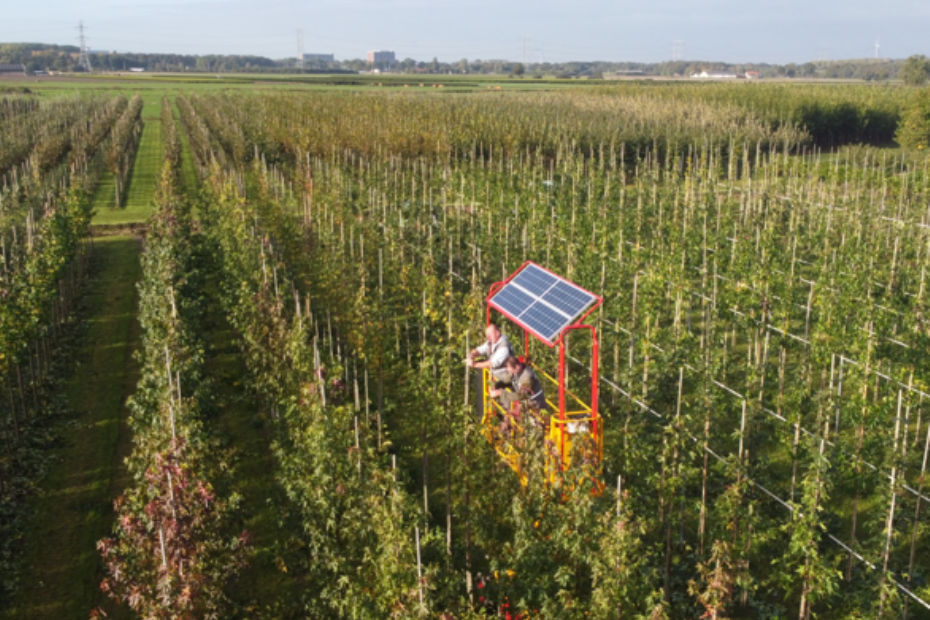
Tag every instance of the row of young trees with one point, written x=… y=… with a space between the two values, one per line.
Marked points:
x=767 y=295
x=639 y=116
x=44 y=134
x=44 y=218
x=127 y=132
x=173 y=549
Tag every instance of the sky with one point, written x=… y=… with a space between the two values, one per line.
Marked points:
x=770 y=31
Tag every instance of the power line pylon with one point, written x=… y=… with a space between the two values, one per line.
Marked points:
x=84 y=59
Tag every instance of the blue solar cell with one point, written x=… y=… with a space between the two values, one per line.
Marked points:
x=535 y=280
x=568 y=298
x=512 y=300
x=544 y=321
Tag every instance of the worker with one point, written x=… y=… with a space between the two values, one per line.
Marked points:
x=496 y=351
x=526 y=388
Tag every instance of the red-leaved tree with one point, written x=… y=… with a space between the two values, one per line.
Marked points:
x=169 y=557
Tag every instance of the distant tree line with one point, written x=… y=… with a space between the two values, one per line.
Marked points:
x=43 y=57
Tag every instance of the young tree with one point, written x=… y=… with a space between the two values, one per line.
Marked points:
x=914 y=128
x=164 y=562
x=916 y=70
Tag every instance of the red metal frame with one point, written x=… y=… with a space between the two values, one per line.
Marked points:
x=560 y=343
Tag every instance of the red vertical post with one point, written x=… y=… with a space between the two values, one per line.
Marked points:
x=562 y=397
x=595 y=417
x=526 y=346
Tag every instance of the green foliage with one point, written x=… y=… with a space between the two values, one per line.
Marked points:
x=123 y=144
x=356 y=549
x=741 y=284
x=916 y=70
x=173 y=549
x=914 y=130
x=45 y=214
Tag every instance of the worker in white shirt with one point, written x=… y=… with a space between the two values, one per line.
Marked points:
x=495 y=351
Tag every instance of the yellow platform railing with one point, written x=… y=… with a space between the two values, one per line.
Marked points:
x=559 y=432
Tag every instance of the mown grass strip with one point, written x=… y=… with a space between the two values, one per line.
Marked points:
x=142 y=182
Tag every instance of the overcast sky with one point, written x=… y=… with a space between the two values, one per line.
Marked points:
x=551 y=30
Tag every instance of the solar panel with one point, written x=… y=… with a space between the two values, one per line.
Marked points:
x=535 y=280
x=542 y=302
x=544 y=320
x=568 y=298
x=513 y=301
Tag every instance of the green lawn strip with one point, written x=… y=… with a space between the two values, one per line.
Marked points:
x=61 y=566
x=144 y=175
x=105 y=194
x=265 y=589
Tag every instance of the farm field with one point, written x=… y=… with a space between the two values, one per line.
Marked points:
x=240 y=311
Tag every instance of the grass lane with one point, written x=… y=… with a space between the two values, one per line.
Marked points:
x=142 y=180
x=61 y=567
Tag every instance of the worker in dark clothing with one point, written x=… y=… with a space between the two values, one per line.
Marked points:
x=526 y=391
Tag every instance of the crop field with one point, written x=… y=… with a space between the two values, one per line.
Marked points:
x=285 y=426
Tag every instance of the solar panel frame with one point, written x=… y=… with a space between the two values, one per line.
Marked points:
x=542 y=302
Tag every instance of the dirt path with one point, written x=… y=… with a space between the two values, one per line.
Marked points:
x=61 y=568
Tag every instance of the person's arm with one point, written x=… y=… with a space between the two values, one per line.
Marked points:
x=482 y=350
x=525 y=389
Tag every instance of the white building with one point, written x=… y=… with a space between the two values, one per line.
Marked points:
x=704 y=75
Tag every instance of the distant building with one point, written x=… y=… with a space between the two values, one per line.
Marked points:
x=752 y=75
x=137 y=69
x=13 y=69
x=617 y=75
x=318 y=57
x=381 y=56
x=704 y=75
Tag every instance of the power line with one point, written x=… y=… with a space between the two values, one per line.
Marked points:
x=527 y=43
